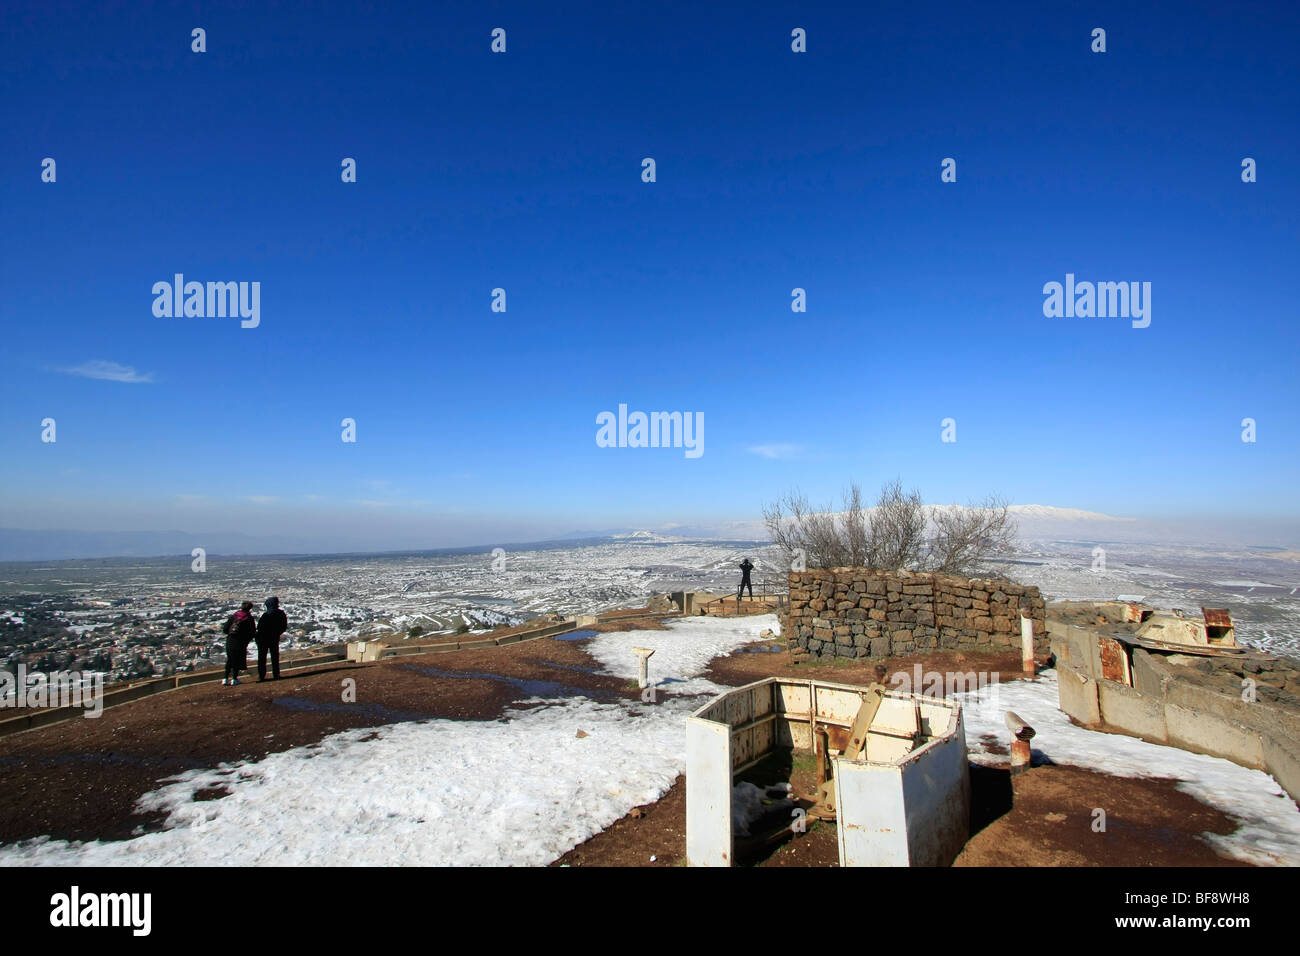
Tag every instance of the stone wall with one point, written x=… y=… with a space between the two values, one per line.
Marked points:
x=856 y=612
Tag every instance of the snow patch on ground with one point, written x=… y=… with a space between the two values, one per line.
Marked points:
x=682 y=651
x=524 y=789
x=1270 y=823
x=517 y=791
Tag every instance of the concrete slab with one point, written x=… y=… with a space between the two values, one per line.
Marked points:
x=1209 y=734
x=1078 y=694
x=1282 y=760
x=1131 y=711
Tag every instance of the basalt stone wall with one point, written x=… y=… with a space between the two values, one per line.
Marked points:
x=857 y=612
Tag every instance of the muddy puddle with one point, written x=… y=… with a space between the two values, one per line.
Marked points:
x=531 y=687
x=579 y=635
x=375 y=711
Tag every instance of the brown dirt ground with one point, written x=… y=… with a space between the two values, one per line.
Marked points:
x=81 y=779
x=1149 y=822
x=1049 y=821
x=1042 y=817
x=750 y=665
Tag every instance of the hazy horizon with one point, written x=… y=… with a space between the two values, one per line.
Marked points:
x=1036 y=523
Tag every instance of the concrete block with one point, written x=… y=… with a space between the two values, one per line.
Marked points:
x=1229 y=707
x=1060 y=650
x=1151 y=674
x=364 y=652
x=1207 y=733
x=1282 y=760
x=1077 y=694
x=1131 y=711
x=1089 y=649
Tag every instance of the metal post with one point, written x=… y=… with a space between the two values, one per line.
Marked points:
x=1027 y=644
x=643 y=669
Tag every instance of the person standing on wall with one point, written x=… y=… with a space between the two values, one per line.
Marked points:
x=745 y=567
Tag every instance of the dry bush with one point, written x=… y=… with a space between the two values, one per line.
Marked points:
x=898 y=532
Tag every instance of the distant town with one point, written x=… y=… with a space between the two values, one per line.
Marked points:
x=133 y=618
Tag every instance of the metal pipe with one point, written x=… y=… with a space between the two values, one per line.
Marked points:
x=1020 y=753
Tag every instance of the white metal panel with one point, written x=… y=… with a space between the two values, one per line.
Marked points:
x=914 y=808
x=936 y=794
x=896 y=716
x=740 y=706
x=872 y=820
x=935 y=718
x=796 y=734
x=793 y=697
x=838 y=705
x=708 y=793
x=883 y=748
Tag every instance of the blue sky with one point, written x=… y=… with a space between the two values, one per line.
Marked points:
x=522 y=170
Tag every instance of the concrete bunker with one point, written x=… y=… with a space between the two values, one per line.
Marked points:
x=1172 y=679
x=904 y=800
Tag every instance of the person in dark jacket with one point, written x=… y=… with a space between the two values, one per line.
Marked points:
x=240 y=630
x=273 y=624
x=745 y=567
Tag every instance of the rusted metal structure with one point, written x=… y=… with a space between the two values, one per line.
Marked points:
x=898 y=786
x=1213 y=629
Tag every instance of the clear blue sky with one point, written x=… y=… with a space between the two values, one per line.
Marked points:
x=522 y=170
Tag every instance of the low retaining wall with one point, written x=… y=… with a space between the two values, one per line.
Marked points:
x=1172 y=704
x=386 y=651
x=115 y=695
x=860 y=613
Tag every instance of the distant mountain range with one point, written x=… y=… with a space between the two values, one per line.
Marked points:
x=1037 y=523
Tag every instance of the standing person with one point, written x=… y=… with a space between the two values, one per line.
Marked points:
x=273 y=623
x=240 y=629
x=745 y=568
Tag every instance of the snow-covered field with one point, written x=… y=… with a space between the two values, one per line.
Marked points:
x=516 y=791
x=330 y=598
x=524 y=789
x=1270 y=824
x=334 y=598
x=1261 y=591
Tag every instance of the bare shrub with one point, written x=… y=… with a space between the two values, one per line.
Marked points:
x=899 y=532
x=896 y=529
x=968 y=538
